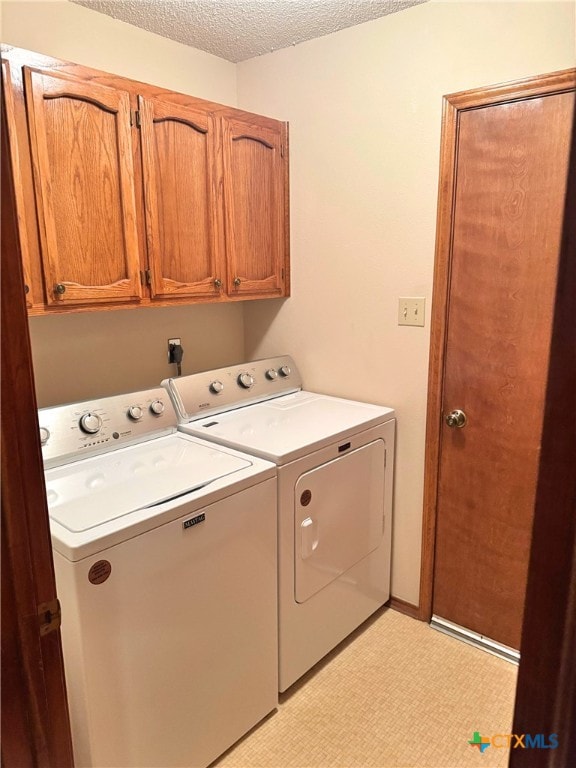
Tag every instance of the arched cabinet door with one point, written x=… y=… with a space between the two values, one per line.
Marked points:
x=255 y=211
x=81 y=148
x=183 y=221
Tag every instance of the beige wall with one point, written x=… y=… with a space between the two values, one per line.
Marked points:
x=85 y=355
x=364 y=107
x=74 y=33
x=96 y=354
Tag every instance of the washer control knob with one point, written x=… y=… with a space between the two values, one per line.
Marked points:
x=157 y=407
x=271 y=374
x=216 y=387
x=90 y=423
x=135 y=412
x=285 y=371
x=246 y=380
x=44 y=435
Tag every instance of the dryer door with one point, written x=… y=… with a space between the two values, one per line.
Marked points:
x=338 y=517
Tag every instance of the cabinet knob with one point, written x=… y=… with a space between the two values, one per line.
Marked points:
x=26 y=289
x=59 y=288
x=217 y=283
x=237 y=281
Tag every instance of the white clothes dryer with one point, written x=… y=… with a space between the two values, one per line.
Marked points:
x=335 y=461
x=165 y=557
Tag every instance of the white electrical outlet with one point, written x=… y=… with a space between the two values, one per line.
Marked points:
x=411 y=311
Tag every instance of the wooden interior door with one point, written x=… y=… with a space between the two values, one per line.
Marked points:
x=84 y=182
x=35 y=726
x=510 y=169
x=183 y=218
x=254 y=207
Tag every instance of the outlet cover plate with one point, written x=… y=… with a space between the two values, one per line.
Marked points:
x=175 y=341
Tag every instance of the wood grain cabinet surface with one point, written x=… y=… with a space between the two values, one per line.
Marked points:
x=183 y=221
x=84 y=184
x=254 y=204
x=133 y=195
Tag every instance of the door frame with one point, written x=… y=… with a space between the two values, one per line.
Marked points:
x=546 y=688
x=35 y=720
x=453 y=105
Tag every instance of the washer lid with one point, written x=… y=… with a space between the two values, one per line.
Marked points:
x=286 y=427
x=89 y=493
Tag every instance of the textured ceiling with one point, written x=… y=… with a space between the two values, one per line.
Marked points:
x=240 y=29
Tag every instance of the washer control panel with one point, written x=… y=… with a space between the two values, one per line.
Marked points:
x=74 y=431
x=221 y=390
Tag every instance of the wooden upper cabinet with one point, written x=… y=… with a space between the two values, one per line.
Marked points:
x=183 y=219
x=80 y=140
x=255 y=213
x=129 y=195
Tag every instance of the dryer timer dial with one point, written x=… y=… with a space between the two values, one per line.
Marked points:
x=157 y=407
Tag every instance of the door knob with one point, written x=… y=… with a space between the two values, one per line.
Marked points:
x=456 y=418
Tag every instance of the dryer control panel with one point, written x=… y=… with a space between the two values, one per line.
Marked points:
x=76 y=430
x=223 y=389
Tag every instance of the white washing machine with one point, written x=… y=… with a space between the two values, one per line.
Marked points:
x=165 y=552
x=335 y=463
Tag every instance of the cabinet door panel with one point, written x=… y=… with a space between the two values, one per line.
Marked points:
x=84 y=181
x=182 y=219
x=254 y=202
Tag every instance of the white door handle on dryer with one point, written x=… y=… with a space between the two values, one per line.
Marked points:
x=309 y=537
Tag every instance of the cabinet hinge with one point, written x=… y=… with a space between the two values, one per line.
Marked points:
x=135 y=118
x=281 y=150
x=49 y=616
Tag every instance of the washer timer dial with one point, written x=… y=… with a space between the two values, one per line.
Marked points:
x=90 y=423
x=246 y=380
x=216 y=387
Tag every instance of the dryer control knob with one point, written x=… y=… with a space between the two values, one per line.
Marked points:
x=285 y=371
x=271 y=374
x=246 y=380
x=90 y=423
x=157 y=407
x=135 y=412
x=44 y=435
x=216 y=387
